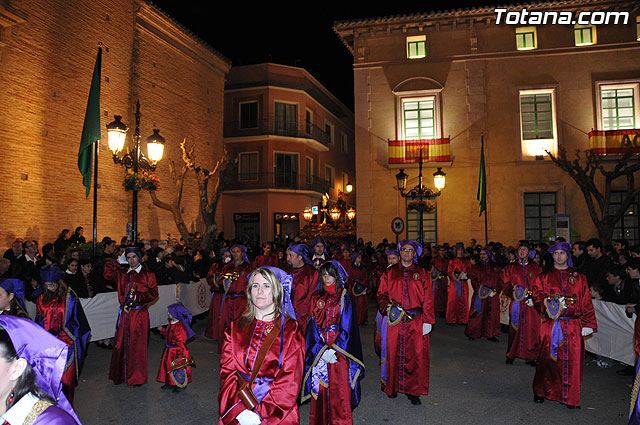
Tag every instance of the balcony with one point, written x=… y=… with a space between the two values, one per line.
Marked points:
x=408 y=151
x=286 y=181
x=607 y=142
x=276 y=127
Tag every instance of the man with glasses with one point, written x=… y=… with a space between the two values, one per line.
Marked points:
x=405 y=301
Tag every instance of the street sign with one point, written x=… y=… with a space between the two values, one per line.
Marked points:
x=397 y=225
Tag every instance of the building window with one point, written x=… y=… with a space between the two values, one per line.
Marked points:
x=345 y=143
x=537 y=123
x=329 y=131
x=417 y=47
x=526 y=38
x=286 y=119
x=345 y=180
x=418 y=118
x=628 y=227
x=429 y=224
x=539 y=208
x=618 y=106
x=329 y=175
x=286 y=171
x=248 y=166
x=308 y=168
x=249 y=114
x=585 y=35
x=308 y=120
x=638 y=28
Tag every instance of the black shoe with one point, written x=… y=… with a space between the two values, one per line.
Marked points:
x=394 y=395
x=531 y=363
x=493 y=339
x=572 y=407
x=136 y=385
x=471 y=339
x=167 y=387
x=509 y=360
x=538 y=399
x=177 y=389
x=627 y=371
x=414 y=399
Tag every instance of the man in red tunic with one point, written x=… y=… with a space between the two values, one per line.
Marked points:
x=267 y=258
x=233 y=280
x=137 y=288
x=305 y=280
x=405 y=299
x=217 y=292
x=518 y=279
x=484 y=318
x=562 y=297
x=358 y=287
x=458 y=296
x=439 y=267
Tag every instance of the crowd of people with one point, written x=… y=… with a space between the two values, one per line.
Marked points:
x=287 y=321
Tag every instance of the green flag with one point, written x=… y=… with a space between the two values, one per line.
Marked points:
x=91 y=127
x=482 y=182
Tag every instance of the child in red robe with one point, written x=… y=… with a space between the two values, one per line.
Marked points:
x=175 y=367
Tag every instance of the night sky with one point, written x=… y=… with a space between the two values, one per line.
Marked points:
x=300 y=34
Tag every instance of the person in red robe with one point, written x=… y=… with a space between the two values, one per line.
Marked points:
x=59 y=311
x=333 y=362
x=137 y=289
x=233 y=280
x=458 y=294
x=393 y=258
x=405 y=300
x=357 y=284
x=439 y=270
x=217 y=292
x=320 y=253
x=175 y=352
x=278 y=377
x=305 y=280
x=267 y=258
x=484 y=317
x=563 y=299
x=518 y=279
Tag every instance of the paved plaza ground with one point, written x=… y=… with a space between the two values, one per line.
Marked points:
x=470 y=384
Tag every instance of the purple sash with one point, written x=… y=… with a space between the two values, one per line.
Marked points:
x=515 y=314
x=458 y=285
x=261 y=387
x=381 y=325
x=557 y=337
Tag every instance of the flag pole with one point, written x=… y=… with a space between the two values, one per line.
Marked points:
x=95 y=198
x=486 y=226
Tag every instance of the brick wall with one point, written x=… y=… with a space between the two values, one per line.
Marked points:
x=47 y=58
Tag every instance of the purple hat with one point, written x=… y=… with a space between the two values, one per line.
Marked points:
x=243 y=248
x=489 y=254
x=133 y=249
x=51 y=273
x=563 y=246
x=303 y=250
x=460 y=245
x=46 y=354
x=15 y=287
x=395 y=252
x=180 y=312
x=222 y=251
x=318 y=240
x=341 y=272
x=355 y=255
x=416 y=247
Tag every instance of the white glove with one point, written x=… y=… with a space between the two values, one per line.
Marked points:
x=329 y=356
x=529 y=302
x=587 y=331
x=426 y=328
x=563 y=304
x=463 y=276
x=493 y=294
x=247 y=417
x=122 y=259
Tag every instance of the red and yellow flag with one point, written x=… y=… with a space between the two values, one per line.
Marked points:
x=614 y=141
x=408 y=151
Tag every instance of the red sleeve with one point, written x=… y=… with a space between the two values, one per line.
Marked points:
x=111 y=270
x=383 y=292
x=146 y=288
x=230 y=405
x=427 y=304
x=505 y=278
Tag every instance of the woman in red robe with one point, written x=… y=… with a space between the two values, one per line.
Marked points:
x=277 y=379
x=563 y=299
x=176 y=334
x=458 y=296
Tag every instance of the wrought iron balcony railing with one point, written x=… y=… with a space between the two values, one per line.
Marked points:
x=292 y=181
x=277 y=127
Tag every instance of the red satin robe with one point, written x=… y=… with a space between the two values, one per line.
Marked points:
x=439 y=267
x=239 y=350
x=359 y=275
x=262 y=260
x=560 y=379
x=524 y=342
x=458 y=306
x=407 y=349
x=485 y=323
x=175 y=347
x=216 y=299
x=129 y=357
x=235 y=300
x=305 y=282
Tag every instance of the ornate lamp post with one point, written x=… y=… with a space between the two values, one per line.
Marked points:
x=134 y=159
x=420 y=191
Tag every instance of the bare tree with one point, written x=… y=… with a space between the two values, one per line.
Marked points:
x=208 y=203
x=586 y=173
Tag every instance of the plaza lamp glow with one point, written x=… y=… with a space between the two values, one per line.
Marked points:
x=307 y=214
x=439 y=179
x=116 y=134
x=348 y=188
x=351 y=213
x=335 y=213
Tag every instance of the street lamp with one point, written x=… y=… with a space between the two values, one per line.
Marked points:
x=348 y=188
x=134 y=159
x=420 y=191
x=307 y=214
